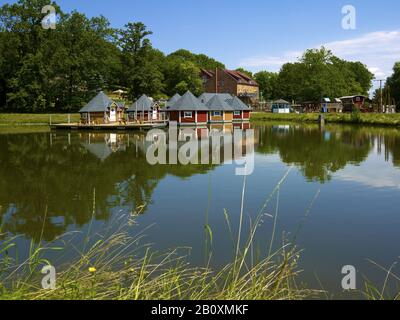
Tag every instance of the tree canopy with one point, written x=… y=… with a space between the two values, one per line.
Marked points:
x=317 y=74
x=393 y=85
x=59 y=70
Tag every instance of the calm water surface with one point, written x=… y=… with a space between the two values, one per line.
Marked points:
x=349 y=176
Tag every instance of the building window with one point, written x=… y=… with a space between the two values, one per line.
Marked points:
x=237 y=113
x=188 y=114
x=217 y=113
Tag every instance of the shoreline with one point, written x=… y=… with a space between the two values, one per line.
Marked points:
x=372 y=119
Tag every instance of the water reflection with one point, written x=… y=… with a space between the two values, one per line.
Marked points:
x=320 y=152
x=53 y=177
x=50 y=179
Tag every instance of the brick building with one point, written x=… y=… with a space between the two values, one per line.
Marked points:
x=233 y=82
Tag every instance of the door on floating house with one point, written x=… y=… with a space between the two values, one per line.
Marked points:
x=113 y=115
x=154 y=114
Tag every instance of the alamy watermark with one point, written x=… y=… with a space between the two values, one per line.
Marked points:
x=349 y=20
x=202 y=146
x=350 y=278
x=49 y=280
x=50 y=20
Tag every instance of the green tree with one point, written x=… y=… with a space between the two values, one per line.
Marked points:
x=200 y=60
x=393 y=82
x=245 y=72
x=268 y=82
x=320 y=74
x=142 y=64
x=182 y=76
x=56 y=70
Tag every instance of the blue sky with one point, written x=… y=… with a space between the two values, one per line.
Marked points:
x=261 y=34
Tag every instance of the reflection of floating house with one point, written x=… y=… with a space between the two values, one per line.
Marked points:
x=188 y=110
x=144 y=109
x=101 y=109
x=281 y=106
x=103 y=145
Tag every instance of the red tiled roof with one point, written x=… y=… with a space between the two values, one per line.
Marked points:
x=238 y=76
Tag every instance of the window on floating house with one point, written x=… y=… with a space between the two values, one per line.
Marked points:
x=188 y=114
x=217 y=113
x=237 y=113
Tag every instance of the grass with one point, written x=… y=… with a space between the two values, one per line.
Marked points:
x=14 y=119
x=355 y=118
x=116 y=266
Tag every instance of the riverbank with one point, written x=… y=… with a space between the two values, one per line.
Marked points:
x=356 y=118
x=20 y=119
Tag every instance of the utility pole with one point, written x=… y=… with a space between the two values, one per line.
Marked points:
x=381 y=94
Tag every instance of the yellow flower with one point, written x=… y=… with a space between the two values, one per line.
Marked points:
x=92 y=270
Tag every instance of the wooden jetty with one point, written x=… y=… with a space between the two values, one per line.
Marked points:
x=111 y=126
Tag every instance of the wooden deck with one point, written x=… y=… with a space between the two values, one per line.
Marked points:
x=128 y=126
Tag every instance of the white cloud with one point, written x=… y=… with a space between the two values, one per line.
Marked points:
x=378 y=50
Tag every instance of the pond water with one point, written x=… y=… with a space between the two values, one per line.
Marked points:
x=340 y=199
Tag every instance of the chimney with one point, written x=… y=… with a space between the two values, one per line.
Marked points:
x=216 y=80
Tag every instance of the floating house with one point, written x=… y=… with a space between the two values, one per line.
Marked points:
x=206 y=97
x=144 y=109
x=188 y=110
x=219 y=110
x=241 y=111
x=281 y=106
x=102 y=110
x=208 y=108
x=172 y=101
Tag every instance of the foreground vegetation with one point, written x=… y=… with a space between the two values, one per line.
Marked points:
x=356 y=118
x=113 y=265
x=111 y=269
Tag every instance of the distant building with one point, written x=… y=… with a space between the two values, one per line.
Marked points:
x=331 y=106
x=281 y=106
x=233 y=82
x=351 y=103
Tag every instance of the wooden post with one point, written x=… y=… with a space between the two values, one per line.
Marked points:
x=69 y=118
x=50 y=120
x=321 y=120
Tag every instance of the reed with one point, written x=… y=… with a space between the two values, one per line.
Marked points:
x=114 y=265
